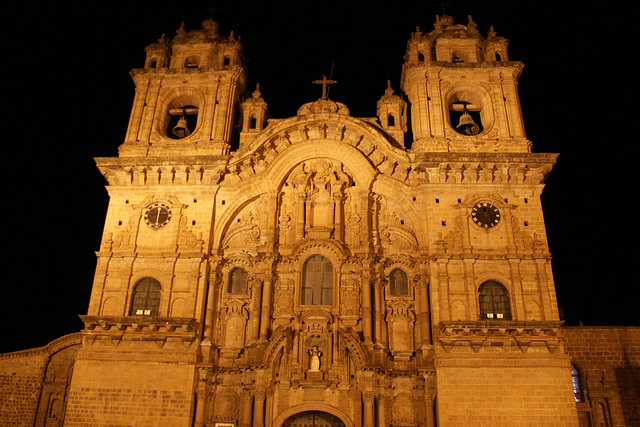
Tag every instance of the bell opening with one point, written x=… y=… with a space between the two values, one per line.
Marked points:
x=181 y=125
x=466 y=122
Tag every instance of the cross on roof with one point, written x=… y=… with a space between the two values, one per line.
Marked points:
x=442 y=5
x=324 y=82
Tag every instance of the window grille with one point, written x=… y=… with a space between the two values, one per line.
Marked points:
x=575 y=380
x=317 y=281
x=145 y=300
x=494 y=302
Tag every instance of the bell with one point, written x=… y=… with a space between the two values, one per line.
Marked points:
x=181 y=130
x=466 y=125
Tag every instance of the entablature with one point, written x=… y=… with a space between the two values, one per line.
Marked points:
x=162 y=170
x=454 y=336
x=485 y=168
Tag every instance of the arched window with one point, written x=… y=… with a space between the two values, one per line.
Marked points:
x=317 y=281
x=237 y=281
x=191 y=62
x=145 y=300
x=398 y=283
x=391 y=121
x=494 y=301
x=575 y=380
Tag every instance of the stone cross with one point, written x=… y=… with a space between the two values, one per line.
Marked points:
x=324 y=82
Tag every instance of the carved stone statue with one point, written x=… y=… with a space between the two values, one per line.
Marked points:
x=314 y=359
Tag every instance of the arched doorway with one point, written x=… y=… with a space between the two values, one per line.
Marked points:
x=313 y=419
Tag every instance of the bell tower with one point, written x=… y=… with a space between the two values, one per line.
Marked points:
x=463 y=91
x=187 y=95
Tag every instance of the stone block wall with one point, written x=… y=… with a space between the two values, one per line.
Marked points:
x=608 y=362
x=33 y=383
x=21 y=376
x=129 y=393
x=508 y=392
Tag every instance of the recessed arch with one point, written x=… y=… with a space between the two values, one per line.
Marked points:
x=145 y=298
x=494 y=301
x=317 y=281
x=181 y=98
x=283 y=416
x=476 y=100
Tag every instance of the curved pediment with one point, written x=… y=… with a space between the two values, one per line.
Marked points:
x=321 y=129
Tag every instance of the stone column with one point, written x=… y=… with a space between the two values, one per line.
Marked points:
x=245 y=416
x=367 y=399
x=366 y=308
x=258 y=409
x=377 y=312
x=337 y=217
x=265 y=316
x=255 y=308
x=201 y=396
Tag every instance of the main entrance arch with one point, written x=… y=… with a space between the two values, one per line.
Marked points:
x=313 y=419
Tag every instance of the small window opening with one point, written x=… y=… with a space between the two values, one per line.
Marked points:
x=398 y=283
x=575 y=381
x=457 y=57
x=226 y=61
x=391 y=121
x=253 y=123
x=191 y=62
x=237 y=281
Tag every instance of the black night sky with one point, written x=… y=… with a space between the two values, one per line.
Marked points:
x=68 y=95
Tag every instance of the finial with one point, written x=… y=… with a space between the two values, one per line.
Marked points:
x=388 y=91
x=181 y=30
x=471 y=25
x=256 y=93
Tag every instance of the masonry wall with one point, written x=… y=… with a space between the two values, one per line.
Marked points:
x=130 y=393
x=608 y=359
x=482 y=390
x=21 y=376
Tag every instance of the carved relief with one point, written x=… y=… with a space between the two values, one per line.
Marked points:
x=245 y=231
x=312 y=202
x=234 y=319
x=395 y=232
x=283 y=296
x=350 y=297
x=188 y=240
x=403 y=410
x=400 y=319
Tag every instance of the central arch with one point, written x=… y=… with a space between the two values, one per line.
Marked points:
x=324 y=415
x=313 y=419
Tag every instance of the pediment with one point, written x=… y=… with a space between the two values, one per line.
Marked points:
x=285 y=143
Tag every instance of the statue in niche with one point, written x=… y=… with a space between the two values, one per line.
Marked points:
x=314 y=359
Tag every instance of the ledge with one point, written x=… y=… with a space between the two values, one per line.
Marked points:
x=479 y=334
x=139 y=324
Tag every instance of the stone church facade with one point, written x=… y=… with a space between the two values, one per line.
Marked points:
x=324 y=269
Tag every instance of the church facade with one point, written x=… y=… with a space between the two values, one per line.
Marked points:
x=322 y=269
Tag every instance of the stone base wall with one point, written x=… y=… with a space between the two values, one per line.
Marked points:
x=504 y=393
x=127 y=393
x=608 y=363
x=20 y=382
